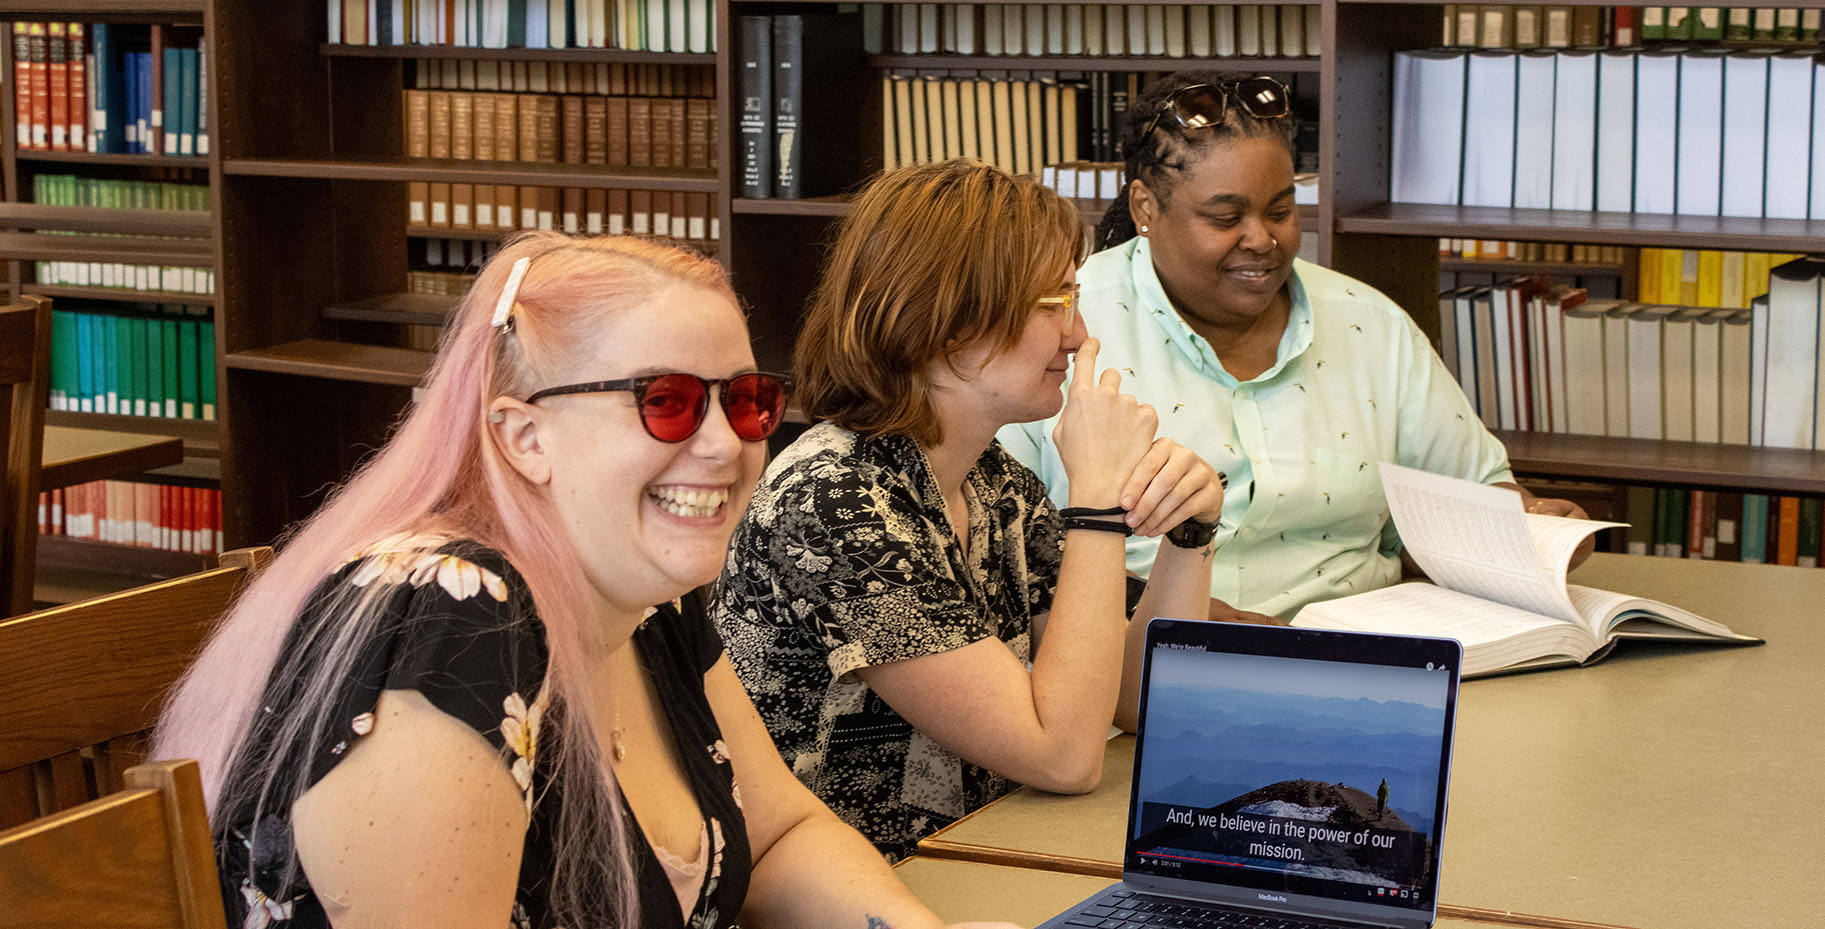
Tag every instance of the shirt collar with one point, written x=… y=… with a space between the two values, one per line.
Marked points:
x=1152 y=300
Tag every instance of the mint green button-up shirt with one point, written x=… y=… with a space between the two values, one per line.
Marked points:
x=1355 y=382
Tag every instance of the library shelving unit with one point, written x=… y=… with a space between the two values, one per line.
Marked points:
x=32 y=232
x=1394 y=246
x=314 y=244
x=774 y=247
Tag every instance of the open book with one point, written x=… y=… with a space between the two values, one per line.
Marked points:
x=1499 y=583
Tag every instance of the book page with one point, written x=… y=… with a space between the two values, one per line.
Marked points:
x=1494 y=636
x=1475 y=539
x=1557 y=537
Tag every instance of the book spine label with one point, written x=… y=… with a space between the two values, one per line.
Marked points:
x=788 y=100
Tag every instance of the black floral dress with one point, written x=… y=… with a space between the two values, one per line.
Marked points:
x=847 y=559
x=458 y=626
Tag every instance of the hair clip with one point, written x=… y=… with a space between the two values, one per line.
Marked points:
x=503 y=308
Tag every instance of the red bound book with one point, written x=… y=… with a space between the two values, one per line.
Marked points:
x=22 y=85
x=41 y=88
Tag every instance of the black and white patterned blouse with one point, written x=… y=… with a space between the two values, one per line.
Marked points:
x=846 y=559
x=459 y=627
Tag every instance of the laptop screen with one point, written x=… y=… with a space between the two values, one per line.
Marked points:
x=1296 y=761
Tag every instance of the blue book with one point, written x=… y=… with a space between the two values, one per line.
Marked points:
x=142 y=96
x=129 y=103
x=103 y=118
x=172 y=104
x=187 y=101
x=1755 y=529
x=383 y=22
x=538 y=25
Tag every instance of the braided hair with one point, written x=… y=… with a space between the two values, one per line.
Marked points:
x=1170 y=149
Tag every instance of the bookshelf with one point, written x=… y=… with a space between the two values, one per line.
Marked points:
x=125 y=232
x=309 y=236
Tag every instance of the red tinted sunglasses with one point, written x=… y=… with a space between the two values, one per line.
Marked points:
x=672 y=406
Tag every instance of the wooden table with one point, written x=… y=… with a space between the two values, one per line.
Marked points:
x=77 y=456
x=1666 y=787
x=968 y=891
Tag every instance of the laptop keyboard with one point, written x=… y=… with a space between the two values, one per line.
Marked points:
x=1128 y=910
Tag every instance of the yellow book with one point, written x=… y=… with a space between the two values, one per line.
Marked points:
x=1731 y=293
x=1004 y=125
x=1023 y=159
x=890 y=152
x=1755 y=274
x=1688 y=277
x=967 y=119
x=1710 y=278
x=1648 y=280
x=1672 y=263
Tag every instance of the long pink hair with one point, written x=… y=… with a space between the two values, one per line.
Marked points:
x=441 y=473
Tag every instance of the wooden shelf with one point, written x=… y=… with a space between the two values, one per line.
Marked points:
x=409 y=309
x=337 y=361
x=1649 y=461
x=1031 y=3
x=1514 y=266
x=179 y=12
x=838 y=205
x=123 y=294
x=199 y=162
x=178 y=223
x=126 y=249
x=1088 y=63
x=478 y=172
x=71 y=569
x=75 y=456
x=1482 y=222
x=1797 y=4
x=587 y=55
x=201 y=437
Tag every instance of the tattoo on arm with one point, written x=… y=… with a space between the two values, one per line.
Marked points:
x=876 y=922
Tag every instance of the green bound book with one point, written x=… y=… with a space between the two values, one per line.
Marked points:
x=123 y=362
x=155 y=368
x=139 y=324
x=206 y=353
x=169 y=327
x=1640 y=516
x=187 y=385
x=1807 y=554
x=107 y=351
x=64 y=385
x=1755 y=528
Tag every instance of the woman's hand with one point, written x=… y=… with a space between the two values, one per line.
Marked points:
x=1102 y=434
x=1170 y=485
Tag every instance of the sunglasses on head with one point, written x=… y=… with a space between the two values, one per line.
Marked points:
x=672 y=406
x=1201 y=106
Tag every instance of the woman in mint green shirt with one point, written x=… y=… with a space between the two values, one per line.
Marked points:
x=1293 y=379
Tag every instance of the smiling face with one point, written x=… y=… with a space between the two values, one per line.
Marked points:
x=1019 y=383
x=650 y=520
x=1224 y=238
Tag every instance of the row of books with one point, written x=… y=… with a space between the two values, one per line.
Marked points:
x=1704 y=277
x=1736 y=24
x=73 y=190
x=636 y=25
x=1017 y=125
x=161 y=516
x=1510 y=26
x=660 y=132
x=154 y=361
x=1673 y=522
x=496 y=210
x=122 y=276
x=615 y=79
x=1137 y=30
x=1510 y=250
x=1536 y=358
x=109 y=88
x=1695 y=132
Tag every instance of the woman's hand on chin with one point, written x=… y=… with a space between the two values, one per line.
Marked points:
x=1102 y=434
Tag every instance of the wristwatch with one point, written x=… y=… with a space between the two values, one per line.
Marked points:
x=1192 y=534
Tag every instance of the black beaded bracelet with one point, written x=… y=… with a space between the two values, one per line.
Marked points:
x=1100 y=525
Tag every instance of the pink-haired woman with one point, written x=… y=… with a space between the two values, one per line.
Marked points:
x=450 y=701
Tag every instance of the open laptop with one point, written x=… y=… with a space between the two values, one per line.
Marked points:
x=1284 y=778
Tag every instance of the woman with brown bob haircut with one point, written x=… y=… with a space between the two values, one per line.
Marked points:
x=885 y=595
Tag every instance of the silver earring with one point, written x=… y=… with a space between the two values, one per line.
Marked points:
x=497 y=417
x=1143 y=230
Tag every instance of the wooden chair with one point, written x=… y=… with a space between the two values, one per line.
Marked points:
x=85 y=681
x=25 y=391
x=140 y=857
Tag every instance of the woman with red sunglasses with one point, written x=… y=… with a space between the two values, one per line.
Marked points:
x=1293 y=378
x=468 y=692
x=919 y=625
